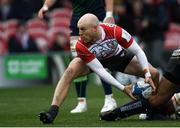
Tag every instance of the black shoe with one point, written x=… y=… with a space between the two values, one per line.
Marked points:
x=108 y=116
x=45 y=117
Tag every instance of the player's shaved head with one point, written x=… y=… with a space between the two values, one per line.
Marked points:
x=88 y=20
x=89 y=29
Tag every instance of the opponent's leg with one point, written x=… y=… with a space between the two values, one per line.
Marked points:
x=162 y=100
x=134 y=68
x=109 y=102
x=131 y=108
x=80 y=85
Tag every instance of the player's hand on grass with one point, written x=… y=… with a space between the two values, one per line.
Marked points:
x=128 y=90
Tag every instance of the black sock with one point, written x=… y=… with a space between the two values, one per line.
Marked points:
x=131 y=108
x=81 y=88
x=107 y=88
x=53 y=111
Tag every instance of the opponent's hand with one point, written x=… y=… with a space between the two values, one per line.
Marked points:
x=109 y=19
x=150 y=81
x=128 y=91
x=42 y=12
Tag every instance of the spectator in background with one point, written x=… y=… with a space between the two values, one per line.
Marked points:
x=61 y=42
x=3 y=45
x=174 y=10
x=21 y=41
x=128 y=15
x=6 y=10
x=18 y=9
x=154 y=25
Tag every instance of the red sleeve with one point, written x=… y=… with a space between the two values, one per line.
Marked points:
x=84 y=53
x=123 y=37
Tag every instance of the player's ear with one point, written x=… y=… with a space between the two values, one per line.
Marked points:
x=95 y=28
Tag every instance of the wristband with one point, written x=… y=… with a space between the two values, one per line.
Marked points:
x=147 y=73
x=109 y=14
x=45 y=7
x=122 y=87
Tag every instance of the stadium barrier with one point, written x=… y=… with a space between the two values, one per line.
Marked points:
x=32 y=69
x=35 y=69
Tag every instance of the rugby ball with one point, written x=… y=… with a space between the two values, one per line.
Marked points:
x=142 y=90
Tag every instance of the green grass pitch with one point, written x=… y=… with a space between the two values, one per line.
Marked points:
x=20 y=107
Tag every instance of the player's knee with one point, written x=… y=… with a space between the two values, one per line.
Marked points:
x=154 y=101
x=70 y=72
x=155 y=73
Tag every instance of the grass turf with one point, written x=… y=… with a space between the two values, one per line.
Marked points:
x=20 y=107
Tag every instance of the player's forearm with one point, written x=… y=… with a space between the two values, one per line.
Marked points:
x=109 y=5
x=97 y=67
x=141 y=57
x=48 y=3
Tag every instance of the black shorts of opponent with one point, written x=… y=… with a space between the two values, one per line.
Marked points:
x=172 y=72
x=118 y=62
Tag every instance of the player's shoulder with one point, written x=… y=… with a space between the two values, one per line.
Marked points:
x=80 y=43
x=108 y=25
x=110 y=29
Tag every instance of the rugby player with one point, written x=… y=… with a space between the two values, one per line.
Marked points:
x=102 y=46
x=162 y=104
x=103 y=9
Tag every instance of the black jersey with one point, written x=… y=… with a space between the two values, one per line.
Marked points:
x=81 y=7
x=172 y=72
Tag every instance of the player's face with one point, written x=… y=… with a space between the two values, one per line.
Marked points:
x=87 y=33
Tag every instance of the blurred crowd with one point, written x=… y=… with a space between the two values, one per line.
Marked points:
x=155 y=24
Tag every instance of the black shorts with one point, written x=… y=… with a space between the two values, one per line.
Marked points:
x=172 y=72
x=74 y=20
x=118 y=62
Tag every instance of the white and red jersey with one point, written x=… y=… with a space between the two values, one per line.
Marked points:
x=113 y=40
x=109 y=52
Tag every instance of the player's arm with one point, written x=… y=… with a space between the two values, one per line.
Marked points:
x=47 y=4
x=109 y=11
x=97 y=67
x=93 y=63
x=135 y=48
x=126 y=40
